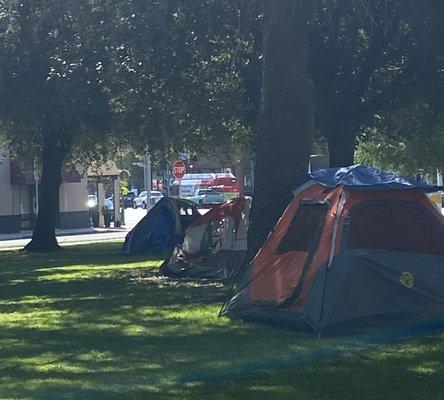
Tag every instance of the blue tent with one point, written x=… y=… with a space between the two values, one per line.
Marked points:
x=162 y=228
x=364 y=177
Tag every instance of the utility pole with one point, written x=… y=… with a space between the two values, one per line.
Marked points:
x=36 y=183
x=147 y=181
x=439 y=180
x=165 y=167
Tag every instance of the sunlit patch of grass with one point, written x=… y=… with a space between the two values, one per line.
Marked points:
x=37 y=319
x=431 y=367
x=89 y=271
x=91 y=323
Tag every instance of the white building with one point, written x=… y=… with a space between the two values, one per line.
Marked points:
x=18 y=202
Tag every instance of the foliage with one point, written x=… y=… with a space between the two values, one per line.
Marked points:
x=124 y=187
x=183 y=80
x=369 y=57
x=53 y=93
x=92 y=323
x=407 y=141
x=168 y=76
x=51 y=74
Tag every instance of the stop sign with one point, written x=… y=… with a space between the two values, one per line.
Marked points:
x=179 y=169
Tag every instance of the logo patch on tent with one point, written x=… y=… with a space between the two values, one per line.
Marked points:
x=407 y=279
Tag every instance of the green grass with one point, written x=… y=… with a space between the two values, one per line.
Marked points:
x=91 y=323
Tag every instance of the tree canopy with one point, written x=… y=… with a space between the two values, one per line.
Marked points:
x=80 y=78
x=367 y=58
x=53 y=93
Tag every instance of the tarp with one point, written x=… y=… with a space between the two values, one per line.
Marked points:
x=162 y=228
x=234 y=209
x=364 y=177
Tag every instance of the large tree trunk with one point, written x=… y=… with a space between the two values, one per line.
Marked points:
x=286 y=121
x=341 y=149
x=43 y=237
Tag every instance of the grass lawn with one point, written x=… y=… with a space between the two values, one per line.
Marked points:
x=91 y=323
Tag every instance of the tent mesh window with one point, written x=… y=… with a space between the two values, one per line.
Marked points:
x=303 y=229
x=395 y=226
x=212 y=236
x=187 y=216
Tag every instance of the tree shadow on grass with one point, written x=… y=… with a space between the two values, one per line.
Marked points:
x=412 y=370
x=82 y=334
x=145 y=349
x=89 y=254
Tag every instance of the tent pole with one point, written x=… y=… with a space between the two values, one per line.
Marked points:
x=339 y=208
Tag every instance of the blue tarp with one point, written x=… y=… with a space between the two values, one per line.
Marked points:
x=365 y=177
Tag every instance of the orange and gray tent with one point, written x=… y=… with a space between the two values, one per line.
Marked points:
x=214 y=246
x=356 y=247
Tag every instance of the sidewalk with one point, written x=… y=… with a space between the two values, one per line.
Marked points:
x=15 y=241
x=60 y=233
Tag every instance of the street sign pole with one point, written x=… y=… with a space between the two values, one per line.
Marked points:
x=147 y=181
x=179 y=170
x=36 y=182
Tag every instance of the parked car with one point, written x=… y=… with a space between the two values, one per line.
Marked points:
x=141 y=199
x=156 y=196
x=128 y=200
x=206 y=197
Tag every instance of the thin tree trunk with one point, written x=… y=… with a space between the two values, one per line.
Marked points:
x=341 y=149
x=286 y=121
x=240 y=174
x=43 y=237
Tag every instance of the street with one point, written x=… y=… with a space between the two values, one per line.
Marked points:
x=132 y=217
x=73 y=236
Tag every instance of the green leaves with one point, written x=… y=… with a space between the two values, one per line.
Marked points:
x=370 y=59
x=408 y=140
x=51 y=79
